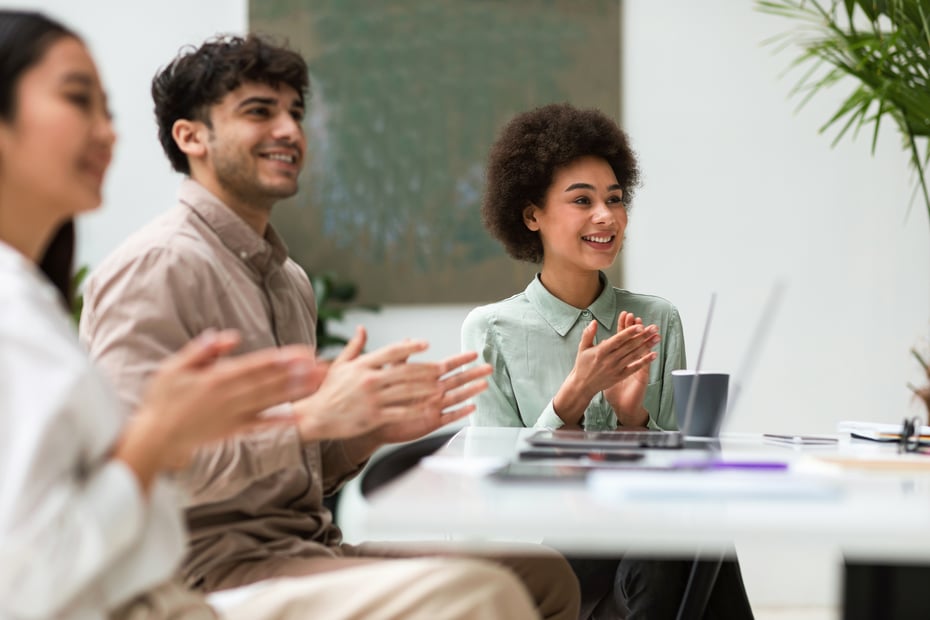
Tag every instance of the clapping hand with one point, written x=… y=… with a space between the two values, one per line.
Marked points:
x=602 y=366
x=626 y=395
x=455 y=387
x=198 y=396
x=363 y=392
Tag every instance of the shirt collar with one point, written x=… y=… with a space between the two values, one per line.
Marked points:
x=235 y=234
x=561 y=316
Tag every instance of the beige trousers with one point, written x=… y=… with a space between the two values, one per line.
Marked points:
x=416 y=589
x=409 y=589
x=544 y=573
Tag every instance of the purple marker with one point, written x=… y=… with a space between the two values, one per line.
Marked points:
x=721 y=464
x=767 y=465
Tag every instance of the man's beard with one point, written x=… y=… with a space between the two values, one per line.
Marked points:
x=241 y=180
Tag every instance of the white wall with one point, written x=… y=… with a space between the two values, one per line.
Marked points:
x=739 y=190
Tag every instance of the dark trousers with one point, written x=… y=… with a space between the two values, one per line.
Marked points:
x=635 y=588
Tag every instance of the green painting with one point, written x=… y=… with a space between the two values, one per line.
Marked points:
x=406 y=98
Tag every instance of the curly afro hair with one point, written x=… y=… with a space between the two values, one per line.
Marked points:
x=525 y=157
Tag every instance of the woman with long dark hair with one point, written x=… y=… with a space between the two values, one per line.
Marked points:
x=86 y=522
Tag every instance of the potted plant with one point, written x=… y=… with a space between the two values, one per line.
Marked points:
x=884 y=45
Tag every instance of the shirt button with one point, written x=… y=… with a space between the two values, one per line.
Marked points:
x=243 y=255
x=586 y=314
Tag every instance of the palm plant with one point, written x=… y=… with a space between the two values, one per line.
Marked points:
x=922 y=392
x=885 y=46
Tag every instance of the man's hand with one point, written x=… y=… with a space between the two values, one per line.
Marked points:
x=363 y=392
x=197 y=396
x=455 y=387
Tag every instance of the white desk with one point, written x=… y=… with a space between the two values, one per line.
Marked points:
x=867 y=515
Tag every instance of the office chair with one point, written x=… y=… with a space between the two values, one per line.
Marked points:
x=397 y=461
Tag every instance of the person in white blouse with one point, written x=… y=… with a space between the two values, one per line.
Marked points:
x=89 y=528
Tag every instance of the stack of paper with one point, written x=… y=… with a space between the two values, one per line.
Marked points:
x=877 y=431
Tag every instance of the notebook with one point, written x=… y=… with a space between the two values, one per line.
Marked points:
x=877 y=431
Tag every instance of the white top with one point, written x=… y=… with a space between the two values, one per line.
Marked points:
x=77 y=538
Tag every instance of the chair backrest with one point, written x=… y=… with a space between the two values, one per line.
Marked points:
x=399 y=460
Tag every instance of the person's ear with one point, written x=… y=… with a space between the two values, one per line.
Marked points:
x=529 y=217
x=191 y=137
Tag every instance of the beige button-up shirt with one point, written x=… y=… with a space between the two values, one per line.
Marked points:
x=200 y=266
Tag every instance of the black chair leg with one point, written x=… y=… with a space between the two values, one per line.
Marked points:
x=700 y=585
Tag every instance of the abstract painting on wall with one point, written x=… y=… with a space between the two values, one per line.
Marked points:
x=406 y=98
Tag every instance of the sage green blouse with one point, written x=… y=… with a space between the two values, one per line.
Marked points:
x=531 y=340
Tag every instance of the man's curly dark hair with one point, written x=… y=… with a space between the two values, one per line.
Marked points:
x=525 y=156
x=199 y=78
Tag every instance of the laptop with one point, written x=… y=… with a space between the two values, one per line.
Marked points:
x=627 y=439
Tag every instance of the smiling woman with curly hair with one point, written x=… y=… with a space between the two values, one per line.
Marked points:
x=560 y=182
x=527 y=154
x=571 y=350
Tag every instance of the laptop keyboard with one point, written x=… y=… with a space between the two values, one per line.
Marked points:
x=608 y=439
x=642 y=439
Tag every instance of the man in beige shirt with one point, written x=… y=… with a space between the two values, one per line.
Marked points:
x=229 y=116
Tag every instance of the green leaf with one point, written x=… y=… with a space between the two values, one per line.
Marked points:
x=334 y=296
x=890 y=60
x=77 y=299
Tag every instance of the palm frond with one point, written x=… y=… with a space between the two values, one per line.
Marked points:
x=882 y=44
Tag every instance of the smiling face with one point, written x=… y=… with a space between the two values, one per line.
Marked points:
x=251 y=153
x=56 y=147
x=581 y=221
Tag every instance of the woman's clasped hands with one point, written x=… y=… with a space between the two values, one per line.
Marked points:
x=617 y=366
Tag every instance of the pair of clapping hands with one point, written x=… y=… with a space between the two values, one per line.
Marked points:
x=386 y=396
x=202 y=394
x=618 y=366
